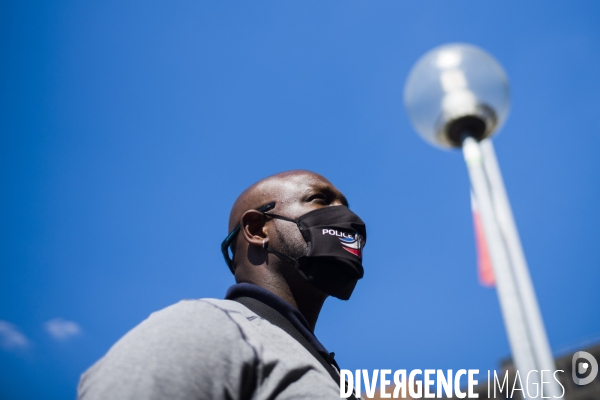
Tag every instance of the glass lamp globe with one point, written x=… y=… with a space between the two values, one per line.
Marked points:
x=456 y=90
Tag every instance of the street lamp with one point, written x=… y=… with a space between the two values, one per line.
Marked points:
x=457 y=96
x=453 y=89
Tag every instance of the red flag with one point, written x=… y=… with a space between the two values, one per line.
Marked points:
x=484 y=262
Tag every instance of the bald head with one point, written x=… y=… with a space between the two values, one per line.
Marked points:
x=285 y=189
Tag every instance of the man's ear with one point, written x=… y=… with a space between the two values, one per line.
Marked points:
x=252 y=229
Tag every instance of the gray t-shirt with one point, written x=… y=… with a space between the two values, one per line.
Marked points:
x=207 y=349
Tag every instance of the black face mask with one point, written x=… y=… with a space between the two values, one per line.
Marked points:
x=332 y=260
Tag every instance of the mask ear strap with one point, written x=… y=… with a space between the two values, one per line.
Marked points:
x=284 y=257
x=281 y=217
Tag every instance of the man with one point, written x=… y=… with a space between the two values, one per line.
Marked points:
x=294 y=242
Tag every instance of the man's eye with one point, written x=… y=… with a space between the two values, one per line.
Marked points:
x=319 y=197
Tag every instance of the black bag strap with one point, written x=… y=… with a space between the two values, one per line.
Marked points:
x=274 y=317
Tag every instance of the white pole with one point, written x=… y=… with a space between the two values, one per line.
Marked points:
x=508 y=295
x=508 y=228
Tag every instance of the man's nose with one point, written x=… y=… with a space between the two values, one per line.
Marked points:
x=336 y=202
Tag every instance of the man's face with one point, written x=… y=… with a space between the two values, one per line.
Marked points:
x=295 y=196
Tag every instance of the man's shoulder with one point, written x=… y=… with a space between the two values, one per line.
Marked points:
x=206 y=348
x=207 y=326
x=192 y=338
x=213 y=319
x=201 y=308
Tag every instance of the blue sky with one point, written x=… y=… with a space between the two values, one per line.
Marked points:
x=129 y=128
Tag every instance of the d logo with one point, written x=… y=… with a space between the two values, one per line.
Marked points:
x=581 y=367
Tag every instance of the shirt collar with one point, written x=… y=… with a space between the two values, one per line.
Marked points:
x=281 y=306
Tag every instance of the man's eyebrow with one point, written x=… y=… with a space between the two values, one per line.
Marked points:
x=334 y=193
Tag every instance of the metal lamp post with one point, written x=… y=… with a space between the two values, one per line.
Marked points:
x=457 y=96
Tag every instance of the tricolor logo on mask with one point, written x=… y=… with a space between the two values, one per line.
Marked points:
x=352 y=243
